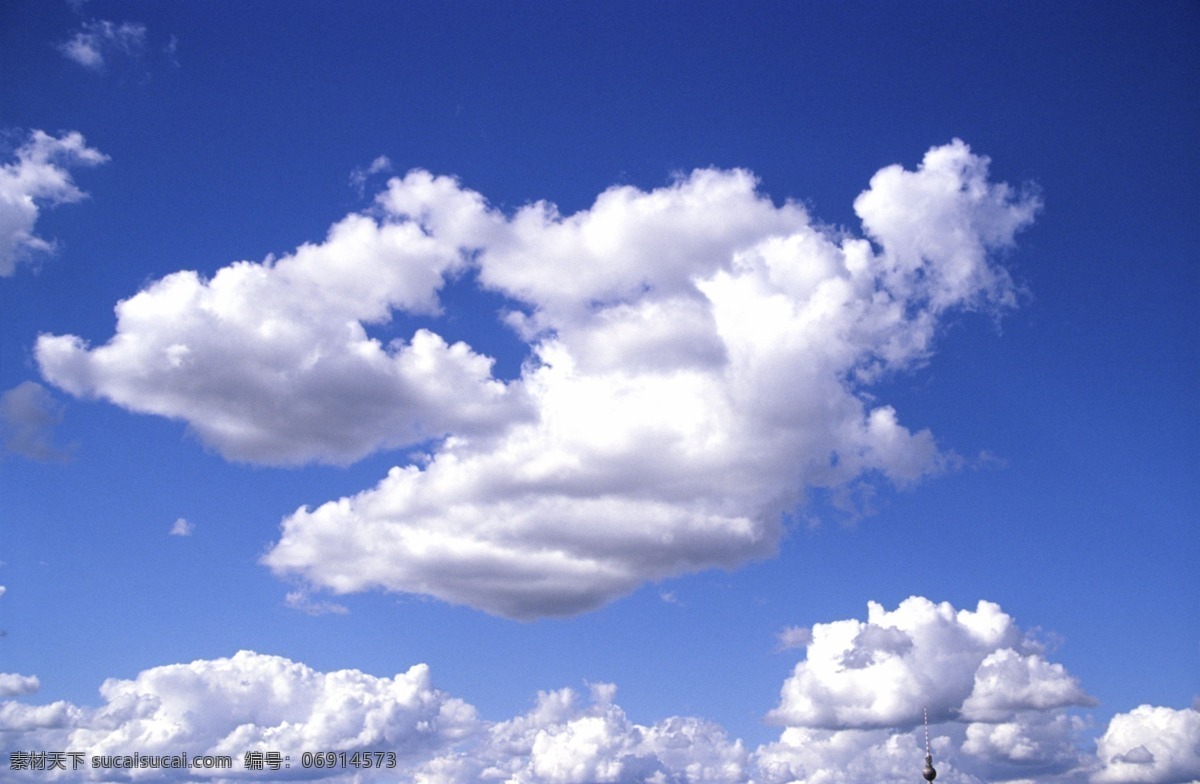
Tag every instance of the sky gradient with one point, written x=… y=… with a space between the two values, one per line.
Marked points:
x=602 y=392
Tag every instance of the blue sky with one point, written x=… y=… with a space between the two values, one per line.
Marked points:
x=690 y=331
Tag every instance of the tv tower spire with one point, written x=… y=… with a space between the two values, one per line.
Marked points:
x=929 y=773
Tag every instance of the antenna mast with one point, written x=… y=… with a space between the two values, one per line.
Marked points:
x=929 y=773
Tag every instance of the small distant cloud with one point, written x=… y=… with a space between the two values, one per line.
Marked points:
x=28 y=416
x=358 y=177
x=171 y=50
x=181 y=527
x=14 y=685
x=793 y=637
x=300 y=600
x=100 y=39
x=669 y=597
x=984 y=461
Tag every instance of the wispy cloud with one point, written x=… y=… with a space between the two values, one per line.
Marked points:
x=793 y=637
x=358 y=177
x=670 y=597
x=101 y=39
x=300 y=600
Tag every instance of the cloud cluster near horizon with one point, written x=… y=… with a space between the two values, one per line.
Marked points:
x=697 y=358
x=38 y=178
x=999 y=722
x=884 y=672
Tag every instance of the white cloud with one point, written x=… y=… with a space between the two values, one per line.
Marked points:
x=698 y=357
x=811 y=756
x=181 y=527
x=938 y=224
x=270 y=362
x=50 y=722
x=300 y=600
x=100 y=39
x=883 y=672
x=252 y=702
x=358 y=177
x=38 y=178
x=563 y=742
x=1015 y=754
x=28 y=415
x=1032 y=745
x=999 y=711
x=1008 y=681
x=249 y=702
x=793 y=637
x=15 y=685
x=1150 y=745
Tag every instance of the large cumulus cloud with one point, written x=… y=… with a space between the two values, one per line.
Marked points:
x=1150 y=745
x=854 y=704
x=972 y=665
x=697 y=357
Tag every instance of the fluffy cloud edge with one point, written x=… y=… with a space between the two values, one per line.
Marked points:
x=887 y=671
x=259 y=703
x=14 y=684
x=38 y=178
x=1150 y=745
